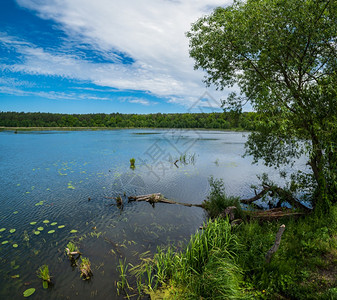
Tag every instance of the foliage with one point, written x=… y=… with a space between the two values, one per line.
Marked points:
x=245 y=121
x=85 y=268
x=43 y=273
x=191 y=272
x=122 y=284
x=28 y=292
x=132 y=163
x=282 y=55
x=217 y=201
x=225 y=262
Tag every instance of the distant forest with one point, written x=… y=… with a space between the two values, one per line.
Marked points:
x=224 y=120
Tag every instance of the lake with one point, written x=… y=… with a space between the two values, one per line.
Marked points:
x=56 y=185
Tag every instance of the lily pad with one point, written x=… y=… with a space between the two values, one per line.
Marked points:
x=73 y=231
x=12 y=230
x=53 y=224
x=32 y=223
x=15 y=245
x=40 y=228
x=4 y=242
x=37 y=232
x=51 y=231
x=2 y=229
x=15 y=212
x=28 y=292
x=46 y=221
x=61 y=226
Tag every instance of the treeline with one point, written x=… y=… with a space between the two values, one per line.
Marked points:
x=224 y=120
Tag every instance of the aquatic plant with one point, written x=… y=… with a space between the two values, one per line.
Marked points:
x=28 y=292
x=132 y=163
x=122 y=284
x=85 y=268
x=72 y=250
x=43 y=273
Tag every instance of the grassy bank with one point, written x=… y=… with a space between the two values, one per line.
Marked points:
x=222 y=261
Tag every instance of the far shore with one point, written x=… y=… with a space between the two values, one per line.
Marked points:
x=3 y=128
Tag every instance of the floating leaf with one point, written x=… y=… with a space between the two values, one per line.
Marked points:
x=40 y=228
x=2 y=229
x=45 y=284
x=73 y=231
x=37 y=232
x=15 y=276
x=4 y=242
x=28 y=292
x=61 y=226
x=15 y=212
x=15 y=245
x=51 y=231
x=32 y=223
x=12 y=230
x=53 y=224
x=46 y=221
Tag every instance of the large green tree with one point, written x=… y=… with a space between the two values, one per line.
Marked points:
x=281 y=54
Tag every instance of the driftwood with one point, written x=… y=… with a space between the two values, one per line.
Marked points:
x=276 y=245
x=283 y=194
x=158 y=198
x=71 y=254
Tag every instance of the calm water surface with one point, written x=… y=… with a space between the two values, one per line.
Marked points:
x=48 y=177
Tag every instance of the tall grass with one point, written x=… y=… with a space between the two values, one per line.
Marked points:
x=190 y=271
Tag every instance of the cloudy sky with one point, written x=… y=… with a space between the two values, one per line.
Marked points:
x=82 y=56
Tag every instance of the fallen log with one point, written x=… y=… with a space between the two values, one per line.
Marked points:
x=159 y=198
x=275 y=213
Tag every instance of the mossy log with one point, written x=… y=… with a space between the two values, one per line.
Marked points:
x=159 y=198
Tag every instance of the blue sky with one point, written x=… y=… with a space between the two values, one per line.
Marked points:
x=85 y=56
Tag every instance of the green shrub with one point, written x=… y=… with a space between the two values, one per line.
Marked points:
x=218 y=201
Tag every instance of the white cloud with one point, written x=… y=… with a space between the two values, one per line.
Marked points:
x=152 y=33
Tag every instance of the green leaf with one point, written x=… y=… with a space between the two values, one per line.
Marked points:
x=32 y=223
x=28 y=292
x=53 y=224
x=45 y=284
x=40 y=228
x=61 y=226
x=37 y=232
x=73 y=231
x=46 y=221
x=12 y=230
x=51 y=231
x=2 y=229
x=4 y=242
x=15 y=212
x=15 y=245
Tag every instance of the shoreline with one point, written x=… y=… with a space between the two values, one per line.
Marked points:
x=3 y=128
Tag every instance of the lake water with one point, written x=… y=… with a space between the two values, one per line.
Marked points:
x=57 y=178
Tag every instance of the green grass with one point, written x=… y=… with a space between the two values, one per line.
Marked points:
x=225 y=262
